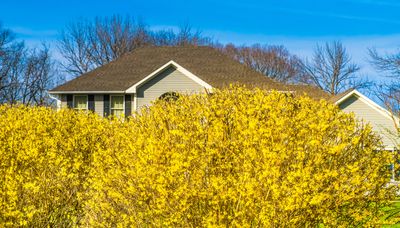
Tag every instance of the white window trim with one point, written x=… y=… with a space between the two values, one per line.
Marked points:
x=123 y=103
x=87 y=102
x=134 y=105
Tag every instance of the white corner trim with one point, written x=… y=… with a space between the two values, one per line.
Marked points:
x=370 y=103
x=187 y=73
x=134 y=102
x=338 y=102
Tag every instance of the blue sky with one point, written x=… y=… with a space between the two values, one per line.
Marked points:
x=299 y=25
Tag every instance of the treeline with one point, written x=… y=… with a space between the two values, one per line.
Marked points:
x=89 y=44
x=26 y=74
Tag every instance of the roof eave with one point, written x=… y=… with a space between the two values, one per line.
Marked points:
x=84 y=92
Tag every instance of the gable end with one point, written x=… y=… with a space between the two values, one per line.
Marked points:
x=133 y=89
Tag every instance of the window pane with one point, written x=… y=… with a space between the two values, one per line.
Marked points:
x=117 y=112
x=80 y=102
x=117 y=102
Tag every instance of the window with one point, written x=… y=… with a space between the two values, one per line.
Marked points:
x=117 y=105
x=169 y=96
x=394 y=167
x=80 y=102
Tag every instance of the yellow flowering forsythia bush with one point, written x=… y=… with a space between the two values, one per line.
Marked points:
x=45 y=157
x=237 y=157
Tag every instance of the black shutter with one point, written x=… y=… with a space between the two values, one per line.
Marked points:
x=128 y=105
x=70 y=101
x=91 y=102
x=106 y=101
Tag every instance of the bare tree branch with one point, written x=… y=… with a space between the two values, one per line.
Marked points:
x=331 y=69
x=385 y=63
x=273 y=61
x=389 y=93
x=25 y=75
x=86 y=45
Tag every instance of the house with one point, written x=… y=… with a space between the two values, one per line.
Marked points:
x=146 y=74
x=381 y=120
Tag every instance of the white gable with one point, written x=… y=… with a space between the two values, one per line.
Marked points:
x=187 y=73
x=380 y=119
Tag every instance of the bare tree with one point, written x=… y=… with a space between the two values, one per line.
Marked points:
x=389 y=63
x=389 y=93
x=74 y=47
x=110 y=38
x=331 y=69
x=86 y=45
x=11 y=55
x=25 y=75
x=273 y=61
x=165 y=37
x=185 y=35
x=31 y=75
x=38 y=77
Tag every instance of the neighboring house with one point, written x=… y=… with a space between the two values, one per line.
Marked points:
x=146 y=74
x=381 y=120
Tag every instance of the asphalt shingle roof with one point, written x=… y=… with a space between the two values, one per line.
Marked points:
x=207 y=63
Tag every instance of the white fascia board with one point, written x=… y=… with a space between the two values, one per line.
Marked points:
x=390 y=148
x=84 y=92
x=338 y=102
x=58 y=100
x=187 y=73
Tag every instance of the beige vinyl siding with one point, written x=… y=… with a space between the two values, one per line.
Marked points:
x=381 y=123
x=170 y=80
x=99 y=104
